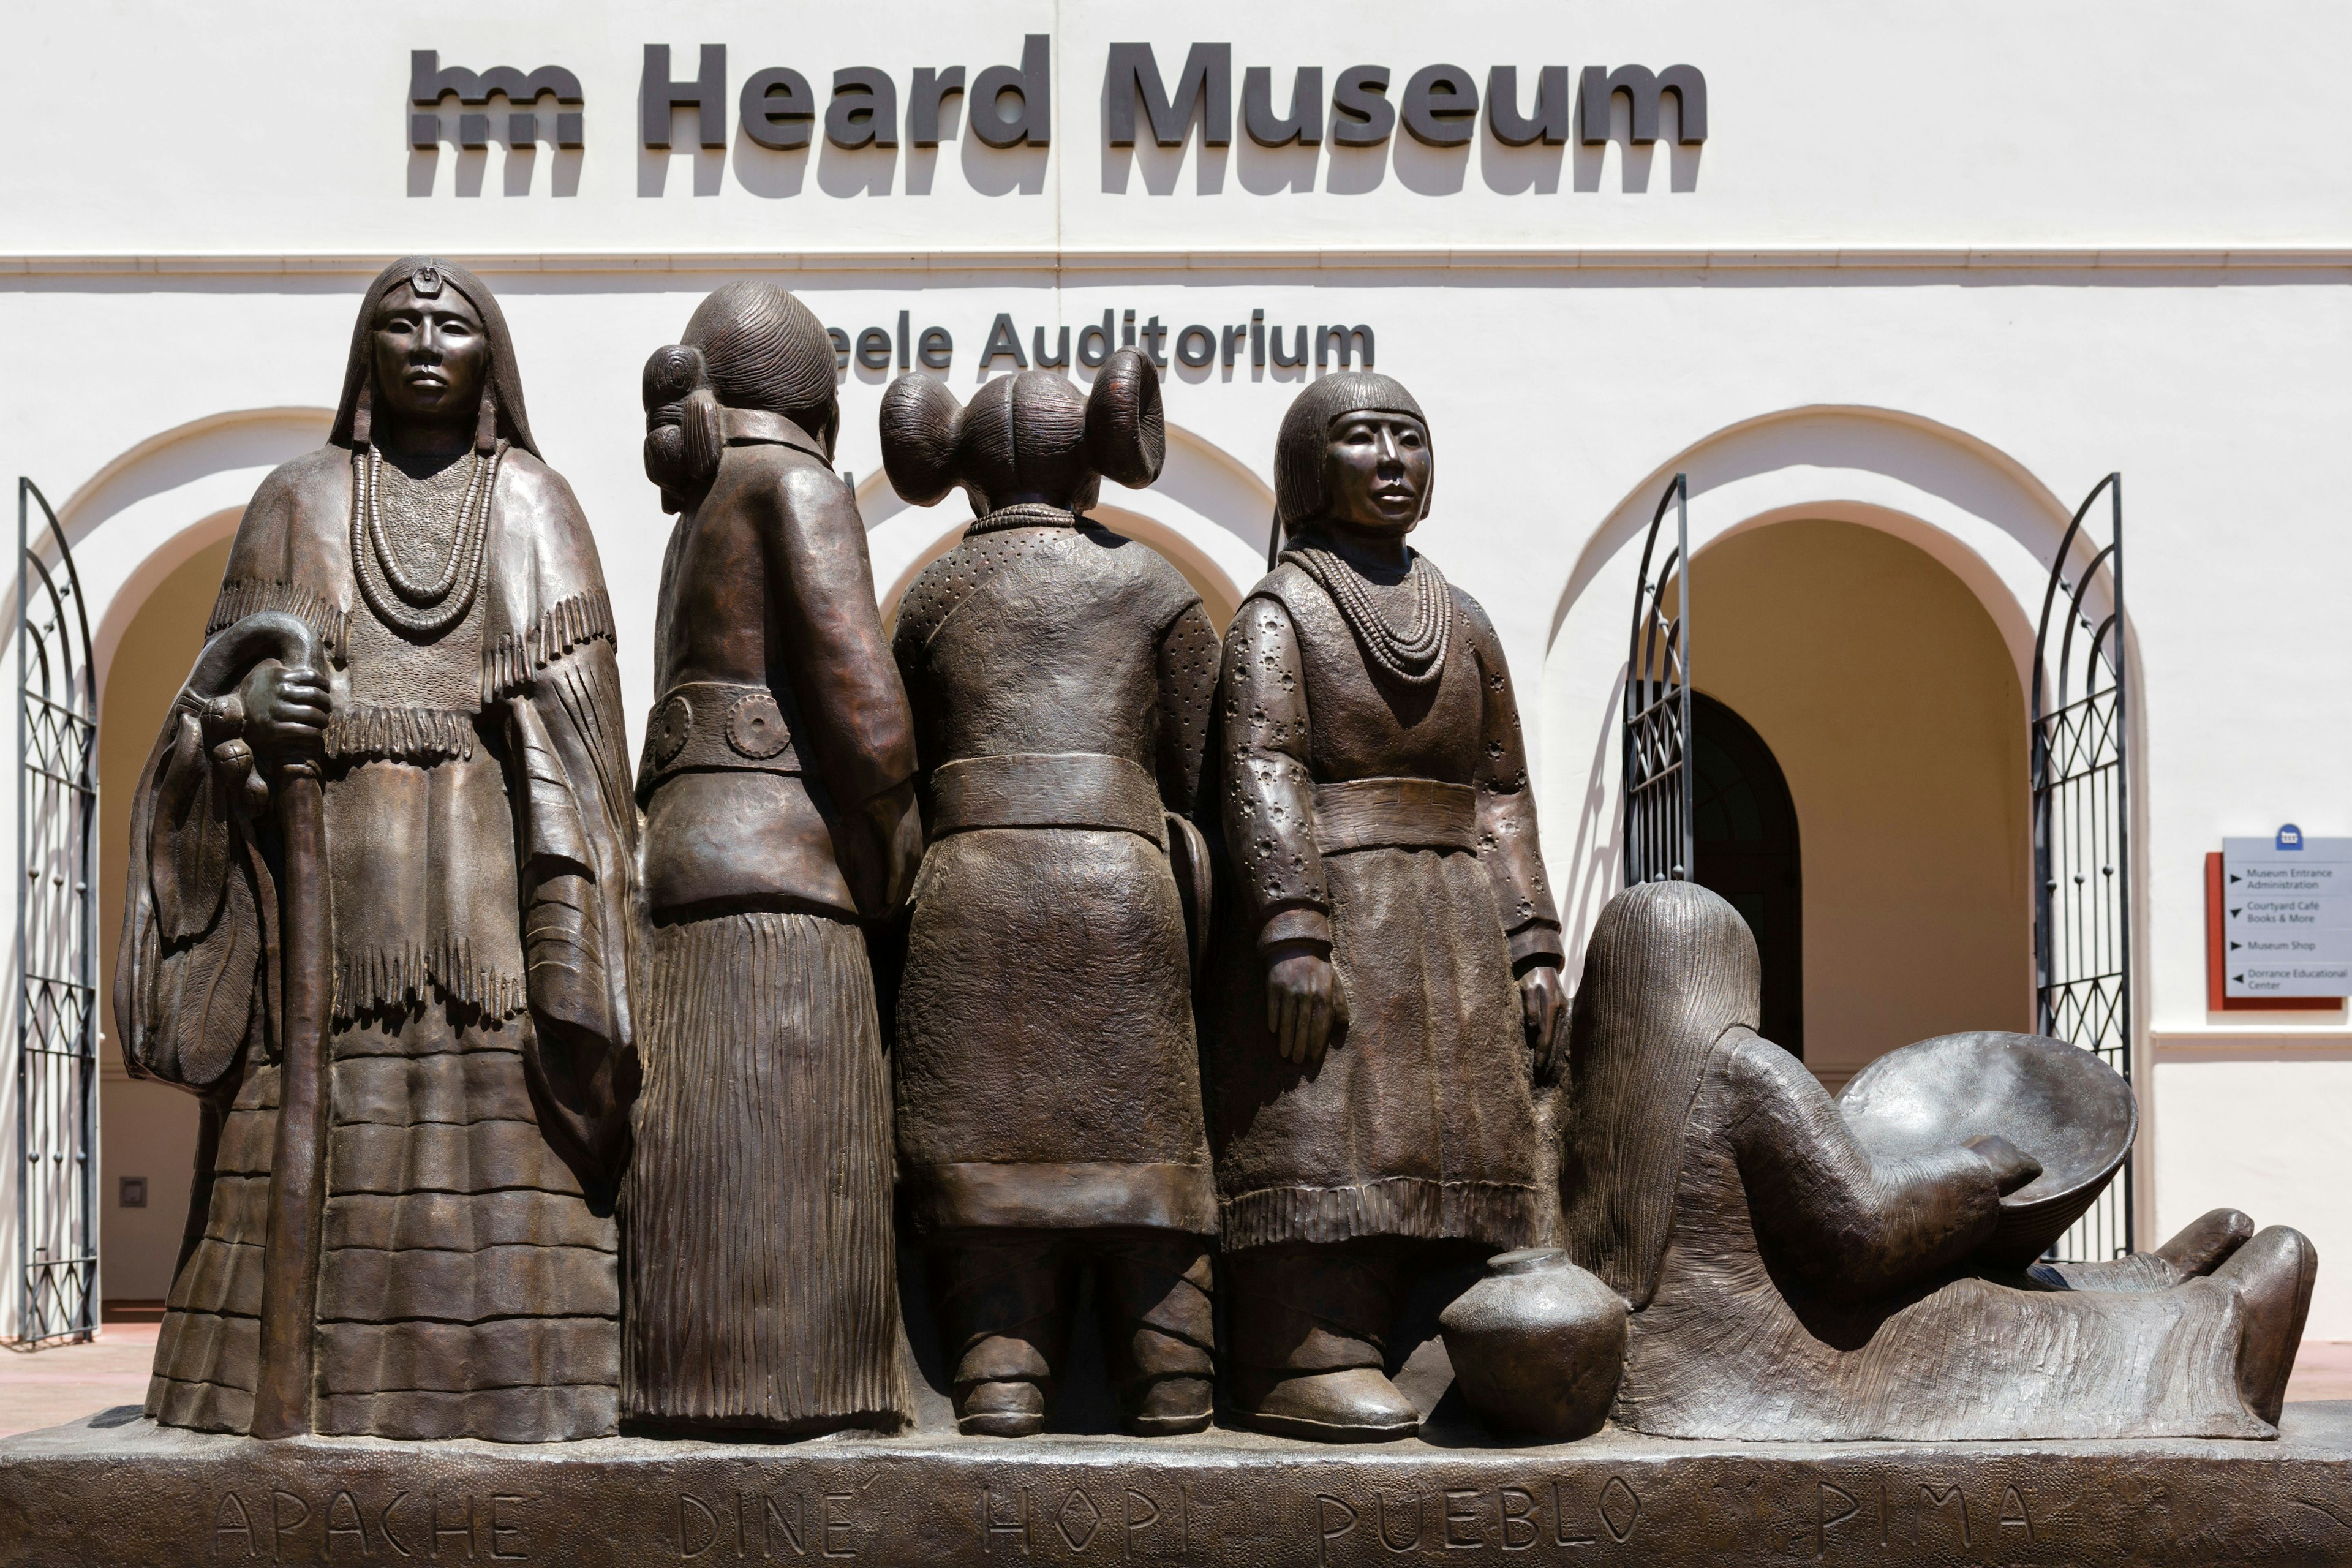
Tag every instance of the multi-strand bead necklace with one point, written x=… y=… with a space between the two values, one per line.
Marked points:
x=1415 y=656
x=420 y=609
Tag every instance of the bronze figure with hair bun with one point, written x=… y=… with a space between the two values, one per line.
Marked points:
x=1049 y=1083
x=1388 y=993
x=761 y=1266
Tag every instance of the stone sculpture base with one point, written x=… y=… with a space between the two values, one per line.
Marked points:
x=117 y=1492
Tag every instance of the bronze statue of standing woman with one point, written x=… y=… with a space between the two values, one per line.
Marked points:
x=763 y=1276
x=1390 y=988
x=1048 y=1081
x=381 y=917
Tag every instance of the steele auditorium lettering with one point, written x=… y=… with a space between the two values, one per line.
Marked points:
x=1088 y=345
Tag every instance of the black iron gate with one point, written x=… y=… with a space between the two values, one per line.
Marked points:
x=57 y=939
x=2082 y=831
x=1659 y=845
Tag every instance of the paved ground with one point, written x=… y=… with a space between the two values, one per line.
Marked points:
x=2323 y=1370
x=42 y=1388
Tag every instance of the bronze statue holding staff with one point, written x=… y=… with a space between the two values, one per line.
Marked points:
x=409 y=1013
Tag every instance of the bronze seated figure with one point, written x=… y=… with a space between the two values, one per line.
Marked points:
x=1788 y=1283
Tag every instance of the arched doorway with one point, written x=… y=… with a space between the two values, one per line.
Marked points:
x=147 y=1131
x=1746 y=824
x=1872 y=680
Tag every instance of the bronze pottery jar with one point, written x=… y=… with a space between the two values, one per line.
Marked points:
x=1537 y=1345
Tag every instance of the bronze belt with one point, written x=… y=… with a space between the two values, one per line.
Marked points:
x=1395 y=814
x=1062 y=789
x=701 y=724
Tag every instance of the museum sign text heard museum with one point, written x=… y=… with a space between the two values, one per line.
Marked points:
x=1008 y=106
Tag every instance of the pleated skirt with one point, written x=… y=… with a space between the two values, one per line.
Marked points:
x=467 y=1288
x=759 y=1265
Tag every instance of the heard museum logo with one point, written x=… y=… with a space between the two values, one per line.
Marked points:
x=1008 y=106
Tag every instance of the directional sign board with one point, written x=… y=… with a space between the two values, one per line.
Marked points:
x=2286 y=916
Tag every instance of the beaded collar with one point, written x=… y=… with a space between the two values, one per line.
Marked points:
x=1024 y=514
x=1415 y=656
x=421 y=609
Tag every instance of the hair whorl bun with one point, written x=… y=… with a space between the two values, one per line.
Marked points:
x=922 y=426
x=1031 y=435
x=670 y=374
x=682 y=434
x=1127 y=435
x=748 y=345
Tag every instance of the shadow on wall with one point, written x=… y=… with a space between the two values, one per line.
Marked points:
x=1425 y=171
x=518 y=164
x=145 y=1130
x=1584 y=878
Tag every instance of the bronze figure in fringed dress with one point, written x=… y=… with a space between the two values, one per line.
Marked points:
x=761 y=1275
x=479 y=847
x=1389 y=989
x=1788 y=1285
x=1048 y=1078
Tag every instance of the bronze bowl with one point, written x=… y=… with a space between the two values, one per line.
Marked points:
x=2057 y=1103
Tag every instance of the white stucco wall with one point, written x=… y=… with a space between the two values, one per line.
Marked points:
x=1835 y=124
x=1935 y=270
x=2254 y=1121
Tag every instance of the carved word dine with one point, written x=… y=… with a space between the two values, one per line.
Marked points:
x=765 y=1526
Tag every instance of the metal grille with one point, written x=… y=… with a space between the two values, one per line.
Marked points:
x=2081 y=832
x=1659 y=845
x=57 y=939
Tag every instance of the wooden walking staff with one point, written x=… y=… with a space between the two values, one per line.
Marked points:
x=281 y=1400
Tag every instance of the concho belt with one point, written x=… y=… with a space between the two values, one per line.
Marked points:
x=1395 y=814
x=1037 y=789
x=704 y=725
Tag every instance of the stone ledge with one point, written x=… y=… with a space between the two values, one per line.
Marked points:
x=115 y=1491
x=2318 y=260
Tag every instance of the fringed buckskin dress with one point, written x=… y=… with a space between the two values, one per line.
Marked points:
x=481 y=847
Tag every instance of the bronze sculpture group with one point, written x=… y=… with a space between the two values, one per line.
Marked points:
x=541 y=1100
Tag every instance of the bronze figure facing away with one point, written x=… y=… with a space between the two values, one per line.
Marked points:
x=1788 y=1284
x=1390 y=991
x=422 y=1243
x=762 y=1276
x=1048 y=1080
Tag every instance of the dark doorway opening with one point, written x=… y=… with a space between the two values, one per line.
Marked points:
x=1746 y=824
